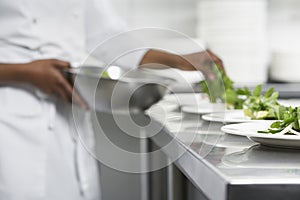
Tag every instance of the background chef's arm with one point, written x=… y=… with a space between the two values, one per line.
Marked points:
x=44 y=74
x=196 y=61
x=125 y=49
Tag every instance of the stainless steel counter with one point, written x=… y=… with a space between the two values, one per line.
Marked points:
x=224 y=166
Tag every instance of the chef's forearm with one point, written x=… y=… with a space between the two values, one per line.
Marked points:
x=161 y=59
x=10 y=73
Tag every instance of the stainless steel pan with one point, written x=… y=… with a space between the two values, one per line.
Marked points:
x=123 y=91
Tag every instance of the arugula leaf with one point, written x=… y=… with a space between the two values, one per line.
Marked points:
x=269 y=92
x=216 y=88
x=221 y=89
x=276 y=124
x=243 y=91
x=265 y=132
x=256 y=92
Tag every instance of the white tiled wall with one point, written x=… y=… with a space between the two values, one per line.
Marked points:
x=283 y=23
x=284 y=31
x=179 y=15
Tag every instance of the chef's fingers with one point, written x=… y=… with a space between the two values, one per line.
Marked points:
x=60 y=87
x=61 y=92
x=60 y=64
x=207 y=72
x=216 y=60
x=63 y=83
x=79 y=101
x=72 y=93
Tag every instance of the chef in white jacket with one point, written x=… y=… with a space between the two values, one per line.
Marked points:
x=40 y=155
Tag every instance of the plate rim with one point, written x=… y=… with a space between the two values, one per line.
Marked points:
x=207 y=117
x=184 y=107
x=258 y=135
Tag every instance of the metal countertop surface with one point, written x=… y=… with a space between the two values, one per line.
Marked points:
x=226 y=166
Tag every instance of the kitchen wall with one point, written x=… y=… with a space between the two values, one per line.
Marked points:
x=179 y=15
x=284 y=31
x=267 y=41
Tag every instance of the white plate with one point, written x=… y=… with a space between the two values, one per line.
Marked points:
x=163 y=106
x=289 y=102
x=231 y=116
x=183 y=99
x=164 y=111
x=250 y=130
x=204 y=108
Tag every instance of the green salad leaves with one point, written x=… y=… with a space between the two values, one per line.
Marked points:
x=255 y=105
x=258 y=106
x=235 y=98
x=221 y=89
x=289 y=124
x=216 y=88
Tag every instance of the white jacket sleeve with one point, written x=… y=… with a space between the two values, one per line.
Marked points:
x=106 y=36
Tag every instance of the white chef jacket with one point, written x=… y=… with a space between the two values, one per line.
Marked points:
x=40 y=156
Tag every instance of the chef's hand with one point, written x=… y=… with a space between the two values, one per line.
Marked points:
x=203 y=61
x=47 y=76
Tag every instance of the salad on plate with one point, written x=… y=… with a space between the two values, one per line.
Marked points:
x=255 y=105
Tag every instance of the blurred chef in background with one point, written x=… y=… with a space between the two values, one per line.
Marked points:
x=40 y=156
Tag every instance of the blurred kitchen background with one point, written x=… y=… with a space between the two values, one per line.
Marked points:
x=258 y=40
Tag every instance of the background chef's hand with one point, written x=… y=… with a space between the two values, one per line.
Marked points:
x=203 y=61
x=47 y=76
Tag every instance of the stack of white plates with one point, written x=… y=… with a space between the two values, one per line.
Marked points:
x=285 y=66
x=236 y=30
